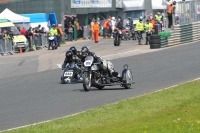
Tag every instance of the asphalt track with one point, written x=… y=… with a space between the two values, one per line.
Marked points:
x=35 y=97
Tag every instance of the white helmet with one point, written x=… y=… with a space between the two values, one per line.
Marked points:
x=113 y=18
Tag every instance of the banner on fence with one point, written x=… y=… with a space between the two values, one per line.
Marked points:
x=91 y=3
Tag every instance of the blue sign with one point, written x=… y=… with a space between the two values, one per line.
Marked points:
x=95 y=1
x=77 y=1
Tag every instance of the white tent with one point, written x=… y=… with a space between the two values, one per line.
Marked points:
x=13 y=17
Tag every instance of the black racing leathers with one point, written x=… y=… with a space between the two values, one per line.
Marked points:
x=67 y=61
x=119 y=25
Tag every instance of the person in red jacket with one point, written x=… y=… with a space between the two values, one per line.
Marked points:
x=23 y=31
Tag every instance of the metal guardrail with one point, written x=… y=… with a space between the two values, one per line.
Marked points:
x=6 y=47
x=40 y=41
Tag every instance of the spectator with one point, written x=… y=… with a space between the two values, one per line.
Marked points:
x=60 y=33
x=37 y=29
x=29 y=36
x=77 y=28
x=100 y=25
x=19 y=28
x=33 y=31
x=71 y=29
x=48 y=28
x=1 y=40
x=92 y=23
x=11 y=34
x=90 y=20
x=23 y=31
x=106 y=27
x=42 y=31
x=171 y=9
x=5 y=35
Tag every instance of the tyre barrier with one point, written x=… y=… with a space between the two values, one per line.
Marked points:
x=155 y=42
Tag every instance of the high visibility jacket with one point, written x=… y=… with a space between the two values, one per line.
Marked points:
x=7 y=36
x=60 y=30
x=139 y=26
x=53 y=32
x=153 y=23
x=78 y=26
x=95 y=26
x=158 y=17
x=170 y=8
x=148 y=26
x=105 y=25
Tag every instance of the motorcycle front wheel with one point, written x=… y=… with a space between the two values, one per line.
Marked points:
x=87 y=81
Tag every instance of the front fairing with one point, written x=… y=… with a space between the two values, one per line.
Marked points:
x=70 y=71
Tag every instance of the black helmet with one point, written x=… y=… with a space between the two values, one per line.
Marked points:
x=69 y=54
x=85 y=50
x=174 y=3
x=73 y=49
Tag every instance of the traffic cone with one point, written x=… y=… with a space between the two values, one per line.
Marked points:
x=20 y=50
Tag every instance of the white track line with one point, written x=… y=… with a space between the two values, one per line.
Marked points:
x=59 y=65
x=92 y=109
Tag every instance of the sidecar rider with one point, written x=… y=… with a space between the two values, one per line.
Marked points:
x=69 y=57
x=74 y=50
x=104 y=66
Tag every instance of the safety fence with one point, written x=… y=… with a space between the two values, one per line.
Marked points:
x=187 y=12
x=36 y=42
x=40 y=41
x=6 y=47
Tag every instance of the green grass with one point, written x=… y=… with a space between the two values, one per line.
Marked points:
x=175 y=110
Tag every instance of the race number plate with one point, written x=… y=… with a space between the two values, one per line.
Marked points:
x=68 y=74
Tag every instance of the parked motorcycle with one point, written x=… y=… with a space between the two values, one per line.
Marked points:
x=117 y=37
x=133 y=32
x=51 y=43
x=94 y=77
x=72 y=73
x=126 y=33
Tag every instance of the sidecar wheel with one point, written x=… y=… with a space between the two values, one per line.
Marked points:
x=100 y=87
x=62 y=81
x=127 y=86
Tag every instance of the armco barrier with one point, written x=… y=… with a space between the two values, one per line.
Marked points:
x=184 y=34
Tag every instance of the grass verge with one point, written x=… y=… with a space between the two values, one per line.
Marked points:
x=172 y=110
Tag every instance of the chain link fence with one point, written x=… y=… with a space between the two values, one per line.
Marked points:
x=187 y=12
